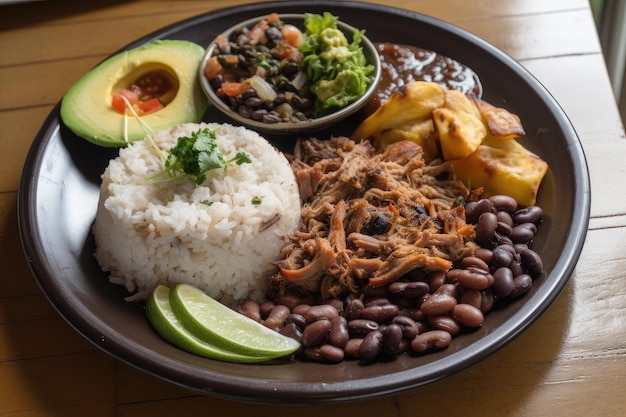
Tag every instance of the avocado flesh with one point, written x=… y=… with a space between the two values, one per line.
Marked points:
x=86 y=107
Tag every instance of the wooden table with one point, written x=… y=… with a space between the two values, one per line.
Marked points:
x=571 y=362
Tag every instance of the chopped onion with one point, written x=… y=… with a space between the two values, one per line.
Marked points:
x=263 y=89
x=284 y=110
x=299 y=80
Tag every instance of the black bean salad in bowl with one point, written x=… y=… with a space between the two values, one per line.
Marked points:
x=288 y=73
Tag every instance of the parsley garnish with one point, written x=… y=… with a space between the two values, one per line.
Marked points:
x=256 y=201
x=194 y=156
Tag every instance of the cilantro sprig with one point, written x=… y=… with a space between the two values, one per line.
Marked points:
x=194 y=156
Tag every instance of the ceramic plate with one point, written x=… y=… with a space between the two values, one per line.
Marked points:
x=59 y=194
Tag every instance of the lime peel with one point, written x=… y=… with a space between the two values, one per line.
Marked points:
x=168 y=326
x=217 y=324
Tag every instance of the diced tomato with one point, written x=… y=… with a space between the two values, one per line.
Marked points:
x=212 y=68
x=150 y=106
x=284 y=50
x=233 y=89
x=273 y=18
x=119 y=104
x=292 y=35
x=257 y=33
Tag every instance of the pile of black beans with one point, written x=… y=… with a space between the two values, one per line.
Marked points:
x=293 y=103
x=421 y=312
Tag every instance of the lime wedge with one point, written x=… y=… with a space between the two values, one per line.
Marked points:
x=167 y=325
x=215 y=323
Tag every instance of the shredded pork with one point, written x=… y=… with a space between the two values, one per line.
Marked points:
x=370 y=218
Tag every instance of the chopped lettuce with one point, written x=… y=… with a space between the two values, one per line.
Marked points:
x=337 y=69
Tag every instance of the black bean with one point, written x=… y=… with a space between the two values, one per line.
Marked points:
x=290 y=68
x=502 y=282
x=505 y=217
x=523 y=283
x=316 y=332
x=520 y=247
x=338 y=335
x=292 y=330
x=353 y=308
x=474 y=209
x=502 y=256
x=408 y=289
x=271 y=117
x=300 y=116
x=331 y=353
x=371 y=346
x=444 y=322
x=217 y=81
x=484 y=254
x=504 y=203
x=321 y=311
x=265 y=308
x=251 y=309
x=532 y=261
x=361 y=327
x=487 y=300
x=380 y=313
x=276 y=318
x=250 y=92
x=522 y=233
x=469 y=279
x=468 y=315
x=301 y=103
x=431 y=340
x=351 y=349
x=273 y=35
x=475 y=262
x=409 y=327
x=530 y=214
x=504 y=229
x=253 y=102
x=438 y=303
x=436 y=279
x=470 y=296
x=280 y=99
x=244 y=111
x=297 y=319
x=258 y=114
x=516 y=266
x=487 y=224
x=392 y=336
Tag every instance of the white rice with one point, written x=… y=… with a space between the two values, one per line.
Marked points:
x=148 y=234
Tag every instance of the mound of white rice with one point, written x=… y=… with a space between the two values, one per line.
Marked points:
x=211 y=235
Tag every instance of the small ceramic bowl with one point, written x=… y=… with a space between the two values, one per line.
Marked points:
x=294 y=127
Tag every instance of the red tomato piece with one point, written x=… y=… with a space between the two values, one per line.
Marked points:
x=212 y=68
x=292 y=35
x=150 y=106
x=119 y=104
x=233 y=89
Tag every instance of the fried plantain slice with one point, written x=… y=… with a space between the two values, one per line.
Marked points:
x=460 y=126
x=500 y=122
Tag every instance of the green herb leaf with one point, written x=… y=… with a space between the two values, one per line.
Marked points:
x=194 y=156
x=256 y=201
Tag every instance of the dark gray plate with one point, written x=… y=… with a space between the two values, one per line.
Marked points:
x=60 y=186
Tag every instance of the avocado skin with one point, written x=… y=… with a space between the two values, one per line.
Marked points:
x=86 y=107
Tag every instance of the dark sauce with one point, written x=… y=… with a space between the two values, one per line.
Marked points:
x=402 y=64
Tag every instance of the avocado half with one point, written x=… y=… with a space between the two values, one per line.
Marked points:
x=86 y=107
